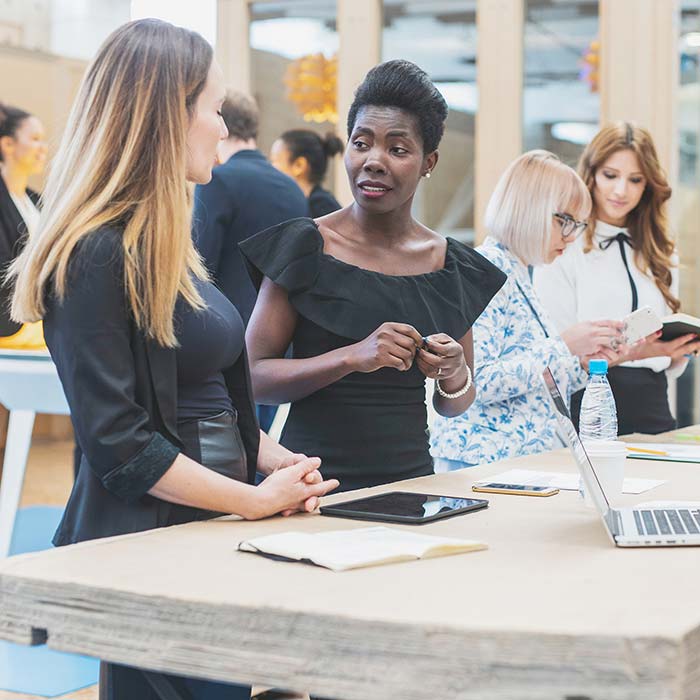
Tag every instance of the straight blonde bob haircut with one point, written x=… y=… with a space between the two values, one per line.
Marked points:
x=533 y=188
x=122 y=160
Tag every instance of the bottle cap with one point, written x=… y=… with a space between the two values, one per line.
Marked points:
x=598 y=367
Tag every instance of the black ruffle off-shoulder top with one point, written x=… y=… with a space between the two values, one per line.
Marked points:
x=368 y=429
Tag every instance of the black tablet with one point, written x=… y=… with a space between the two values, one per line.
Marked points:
x=404 y=507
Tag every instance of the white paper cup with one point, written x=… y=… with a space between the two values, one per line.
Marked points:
x=608 y=459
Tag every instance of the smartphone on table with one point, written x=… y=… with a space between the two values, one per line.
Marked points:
x=515 y=489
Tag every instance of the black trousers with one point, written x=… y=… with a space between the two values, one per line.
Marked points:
x=641 y=397
x=126 y=683
x=216 y=443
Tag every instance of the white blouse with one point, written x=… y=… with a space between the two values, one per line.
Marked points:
x=594 y=286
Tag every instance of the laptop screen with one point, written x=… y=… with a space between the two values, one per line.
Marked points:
x=590 y=479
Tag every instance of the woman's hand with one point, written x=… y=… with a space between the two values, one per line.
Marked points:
x=590 y=338
x=272 y=456
x=442 y=358
x=653 y=346
x=391 y=345
x=295 y=488
x=613 y=357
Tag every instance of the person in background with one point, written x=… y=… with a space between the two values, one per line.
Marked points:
x=150 y=353
x=245 y=195
x=303 y=155
x=22 y=154
x=625 y=260
x=538 y=208
x=356 y=292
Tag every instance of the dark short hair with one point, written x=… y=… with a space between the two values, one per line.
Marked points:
x=304 y=143
x=241 y=116
x=10 y=120
x=404 y=85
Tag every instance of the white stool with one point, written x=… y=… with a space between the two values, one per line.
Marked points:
x=29 y=384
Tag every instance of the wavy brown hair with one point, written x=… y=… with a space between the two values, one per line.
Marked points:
x=123 y=158
x=647 y=223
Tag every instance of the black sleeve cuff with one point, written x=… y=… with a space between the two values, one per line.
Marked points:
x=135 y=478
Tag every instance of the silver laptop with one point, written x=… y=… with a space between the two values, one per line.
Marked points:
x=627 y=527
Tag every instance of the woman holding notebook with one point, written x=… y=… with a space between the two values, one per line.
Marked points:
x=625 y=260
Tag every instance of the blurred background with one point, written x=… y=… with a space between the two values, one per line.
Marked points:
x=517 y=74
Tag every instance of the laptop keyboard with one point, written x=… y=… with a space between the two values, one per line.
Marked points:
x=667 y=522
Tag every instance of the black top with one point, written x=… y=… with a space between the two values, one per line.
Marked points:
x=13 y=234
x=211 y=339
x=246 y=195
x=321 y=202
x=122 y=391
x=370 y=428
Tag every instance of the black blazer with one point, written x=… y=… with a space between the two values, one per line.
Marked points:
x=13 y=233
x=246 y=195
x=322 y=202
x=122 y=391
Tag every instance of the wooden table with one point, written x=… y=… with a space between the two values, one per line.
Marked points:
x=551 y=611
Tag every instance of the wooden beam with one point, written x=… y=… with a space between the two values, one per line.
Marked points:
x=639 y=70
x=499 y=117
x=233 y=43
x=360 y=33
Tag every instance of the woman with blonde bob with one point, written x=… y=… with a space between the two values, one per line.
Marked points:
x=625 y=260
x=151 y=355
x=538 y=208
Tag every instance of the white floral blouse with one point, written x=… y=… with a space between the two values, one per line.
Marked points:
x=514 y=341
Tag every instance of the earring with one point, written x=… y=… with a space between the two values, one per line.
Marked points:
x=427 y=175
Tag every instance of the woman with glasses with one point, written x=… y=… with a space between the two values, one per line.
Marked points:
x=625 y=260
x=538 y=208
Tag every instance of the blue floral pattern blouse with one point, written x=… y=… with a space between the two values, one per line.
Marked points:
x=511 y=415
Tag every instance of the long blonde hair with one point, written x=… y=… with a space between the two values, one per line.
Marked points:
x=647 y=223
x=520 y=212
x=123 y=160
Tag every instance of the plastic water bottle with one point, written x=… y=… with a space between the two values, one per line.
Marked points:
x=598 y=419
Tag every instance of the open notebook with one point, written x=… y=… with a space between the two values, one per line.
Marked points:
x=676 y=325
x=340 y=550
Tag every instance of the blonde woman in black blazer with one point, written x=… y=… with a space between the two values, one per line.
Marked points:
x=151 y=355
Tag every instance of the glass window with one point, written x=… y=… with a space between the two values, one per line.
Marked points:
x=441 y=38
x=293 y=49
x=561 y=103
x=78 y=27
x=686 y=196
x=44 y=49
x=199 y=16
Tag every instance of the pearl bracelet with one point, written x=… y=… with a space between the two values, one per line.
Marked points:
x=457 y=394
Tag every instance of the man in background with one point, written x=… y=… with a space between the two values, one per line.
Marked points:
x=246 y=195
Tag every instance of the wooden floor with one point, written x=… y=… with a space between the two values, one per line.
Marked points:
x=48 y=482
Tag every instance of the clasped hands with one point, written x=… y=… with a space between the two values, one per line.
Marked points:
x=398 y=345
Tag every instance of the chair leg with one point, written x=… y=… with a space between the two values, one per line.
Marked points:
x=19 y=438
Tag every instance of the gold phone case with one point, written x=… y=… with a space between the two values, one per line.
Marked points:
x=509 y=492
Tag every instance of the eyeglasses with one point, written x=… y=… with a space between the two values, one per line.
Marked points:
x=569 y=225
